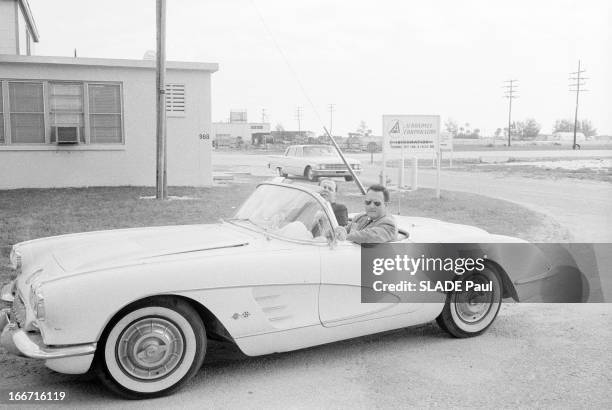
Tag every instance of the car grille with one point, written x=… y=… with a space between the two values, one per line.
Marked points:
x=19 y=311
x=338 y=166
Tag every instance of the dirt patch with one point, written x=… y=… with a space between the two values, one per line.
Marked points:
x=598 y=169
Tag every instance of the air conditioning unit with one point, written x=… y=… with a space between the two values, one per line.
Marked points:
x=67 y=135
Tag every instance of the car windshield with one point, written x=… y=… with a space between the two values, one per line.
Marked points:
x=320 y=151
x=285 y=212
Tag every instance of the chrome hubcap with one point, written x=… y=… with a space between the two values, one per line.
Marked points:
x=472 y=306
x=150 y=348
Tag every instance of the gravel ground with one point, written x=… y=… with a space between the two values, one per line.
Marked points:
x=535 y=355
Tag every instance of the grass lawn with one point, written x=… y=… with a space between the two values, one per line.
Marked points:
x=33 y=213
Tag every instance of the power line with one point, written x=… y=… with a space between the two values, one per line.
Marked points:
x=286 y=60
x=577 y=84
x=509 y=94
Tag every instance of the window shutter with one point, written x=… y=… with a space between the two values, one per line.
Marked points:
x=175 y=98
x=105 y=113
x=27 y=115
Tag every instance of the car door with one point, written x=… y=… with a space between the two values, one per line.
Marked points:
x=340 y=292
x=287 y=159
x=297 y=162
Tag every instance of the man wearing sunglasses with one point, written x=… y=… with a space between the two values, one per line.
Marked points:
x=328 y=191
x=375 y=225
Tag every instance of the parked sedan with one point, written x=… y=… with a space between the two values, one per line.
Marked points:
x=312 y=162
x=138 y=305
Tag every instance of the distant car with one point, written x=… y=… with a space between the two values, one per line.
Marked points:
x=312 y=162
x=138 y=305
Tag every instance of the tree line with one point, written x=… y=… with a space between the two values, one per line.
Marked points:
x=520 y=130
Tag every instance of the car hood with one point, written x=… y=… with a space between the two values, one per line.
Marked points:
x=105 y=249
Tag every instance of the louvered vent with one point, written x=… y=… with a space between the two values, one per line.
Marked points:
x=175 y=98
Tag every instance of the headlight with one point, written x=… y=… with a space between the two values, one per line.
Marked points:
x=321 y=166
x=14 y=259
x=37 y=301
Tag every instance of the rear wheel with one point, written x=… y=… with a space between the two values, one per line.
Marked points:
x=280 y=173
x=152 y=349
x=470 y=312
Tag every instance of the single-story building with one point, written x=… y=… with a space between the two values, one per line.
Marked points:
x=68 y=122
x=238 y=131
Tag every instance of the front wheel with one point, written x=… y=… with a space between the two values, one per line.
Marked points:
x=348 y=178
x=310 y=174
x=151 y=349
x=472 y=310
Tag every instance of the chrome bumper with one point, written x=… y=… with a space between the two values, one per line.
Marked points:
x=22 y=343
x=334 y=172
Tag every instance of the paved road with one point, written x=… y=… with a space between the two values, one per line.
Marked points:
x=581 y=206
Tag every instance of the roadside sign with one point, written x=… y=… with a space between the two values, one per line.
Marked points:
x=414 y=133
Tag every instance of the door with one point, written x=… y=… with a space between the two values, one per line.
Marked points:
x=340 y=292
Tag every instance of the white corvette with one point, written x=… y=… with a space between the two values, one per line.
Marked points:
x=139 y=304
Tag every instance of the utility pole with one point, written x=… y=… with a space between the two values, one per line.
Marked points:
x=298 y=117
x=509 y=94
x=331 y=114
x=160 y=83
x=577 y=89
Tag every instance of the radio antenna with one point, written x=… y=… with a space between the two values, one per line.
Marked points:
x=314 y=109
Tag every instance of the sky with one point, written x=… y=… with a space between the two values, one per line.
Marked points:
x=368 y=58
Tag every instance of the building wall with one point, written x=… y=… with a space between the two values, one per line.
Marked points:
x=131 y=163
x=8 y=26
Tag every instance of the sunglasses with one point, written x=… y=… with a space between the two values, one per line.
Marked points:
x=369 y=201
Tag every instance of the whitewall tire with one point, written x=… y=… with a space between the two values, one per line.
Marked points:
x=469 y=313
x=152 y=348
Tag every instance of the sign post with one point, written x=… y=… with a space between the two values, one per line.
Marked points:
x=439 y=155
x=446 y=144
x=417 y=134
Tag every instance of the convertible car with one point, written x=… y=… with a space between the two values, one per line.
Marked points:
x=138 y=305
